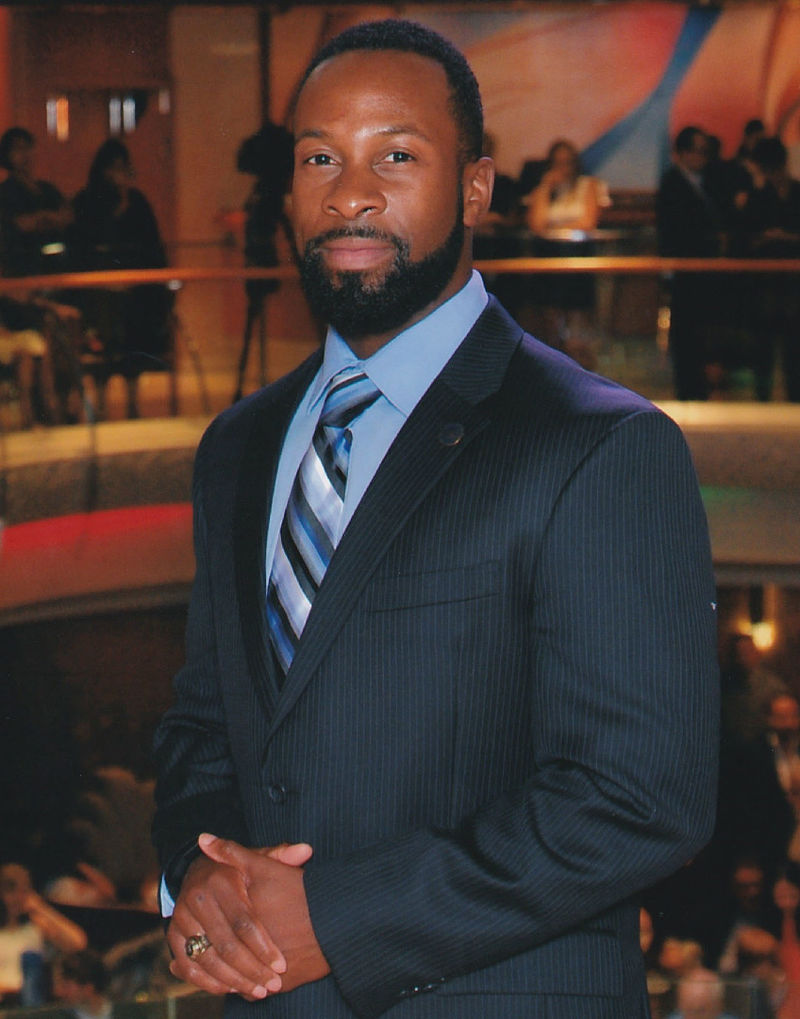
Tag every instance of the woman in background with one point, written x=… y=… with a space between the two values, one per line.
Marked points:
x=115 y=228
x=564 y=207
x=28 y=924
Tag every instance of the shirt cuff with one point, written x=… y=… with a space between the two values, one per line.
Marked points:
x=165 y=899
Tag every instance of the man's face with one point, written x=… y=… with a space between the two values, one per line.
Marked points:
x=378 y=198
x=696 y=157
x=20 y=157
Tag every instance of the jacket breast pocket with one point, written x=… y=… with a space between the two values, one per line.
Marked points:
x=435 y=587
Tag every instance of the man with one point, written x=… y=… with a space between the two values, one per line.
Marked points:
x=520 y=585
x=688 y=226
x=771 y=222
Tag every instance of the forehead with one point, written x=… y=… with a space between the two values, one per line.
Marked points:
x=362 y=86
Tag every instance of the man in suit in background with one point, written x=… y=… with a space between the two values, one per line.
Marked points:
x=452 y=630
x=689 y=226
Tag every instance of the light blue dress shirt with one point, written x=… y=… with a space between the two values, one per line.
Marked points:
x=402 y=370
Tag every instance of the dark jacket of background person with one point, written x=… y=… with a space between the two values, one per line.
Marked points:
x=688 y=225
x=115 y=228
x=477 y=835
x=688 y=221
x=22 y=253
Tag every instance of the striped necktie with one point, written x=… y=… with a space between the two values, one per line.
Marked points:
x=310 y=527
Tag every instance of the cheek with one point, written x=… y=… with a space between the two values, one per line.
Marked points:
x=425 y=222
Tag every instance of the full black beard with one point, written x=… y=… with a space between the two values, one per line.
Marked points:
x=356 y=307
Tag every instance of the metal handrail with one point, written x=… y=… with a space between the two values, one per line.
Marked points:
x=634 y=265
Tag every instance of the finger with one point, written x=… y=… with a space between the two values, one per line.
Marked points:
x=199 y=979
x=205 y=982
x=235 y=855
x=229 y=960
x=225 y=913
x=211 y=969
x=295 y=855
x=224 y=851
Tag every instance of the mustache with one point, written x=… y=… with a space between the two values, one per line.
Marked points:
x=369 y=233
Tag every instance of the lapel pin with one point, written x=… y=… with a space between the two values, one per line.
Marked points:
x=451 y=434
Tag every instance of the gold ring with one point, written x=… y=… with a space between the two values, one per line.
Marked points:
x=196 y=945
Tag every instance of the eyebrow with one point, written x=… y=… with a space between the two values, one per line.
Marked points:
x=390 y=131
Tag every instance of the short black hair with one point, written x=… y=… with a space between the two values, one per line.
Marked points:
x=754 y=126
x=770 y=154
x=685 y=138
x=9 y=139
x=411 y=37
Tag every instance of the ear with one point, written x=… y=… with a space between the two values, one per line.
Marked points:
x=477 y=182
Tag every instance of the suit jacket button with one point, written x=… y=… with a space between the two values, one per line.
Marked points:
x=451 y=434
x=277 y=792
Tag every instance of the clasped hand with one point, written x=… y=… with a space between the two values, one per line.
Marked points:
x=251 y=905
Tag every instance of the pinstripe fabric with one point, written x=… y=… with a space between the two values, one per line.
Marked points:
x=501 y=720
x=310 y=529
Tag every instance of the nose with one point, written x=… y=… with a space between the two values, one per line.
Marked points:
x=355 y=193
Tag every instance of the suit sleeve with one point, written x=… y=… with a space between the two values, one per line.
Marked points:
x=197 y=789
x=622 y=636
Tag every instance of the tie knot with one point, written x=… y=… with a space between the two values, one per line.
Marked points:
x=349 y=394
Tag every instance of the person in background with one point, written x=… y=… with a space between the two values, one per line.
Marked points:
x=28 y=924
x=34 y=215
x=770 y=221
x=34 y=221
x=80 y=980
x=688 y=226
x=565 y=198
x=562 y=208
x=115 y=228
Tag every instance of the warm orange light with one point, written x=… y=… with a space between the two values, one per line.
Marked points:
x=57 y=110
x=763 y=635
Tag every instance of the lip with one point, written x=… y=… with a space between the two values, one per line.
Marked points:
x=353 y=254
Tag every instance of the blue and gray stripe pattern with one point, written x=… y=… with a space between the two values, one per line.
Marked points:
x=310 y=527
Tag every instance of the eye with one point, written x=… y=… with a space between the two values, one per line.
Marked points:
x=399 y=156
x=319 y=159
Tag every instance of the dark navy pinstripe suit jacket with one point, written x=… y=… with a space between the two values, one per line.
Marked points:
x=501 y=720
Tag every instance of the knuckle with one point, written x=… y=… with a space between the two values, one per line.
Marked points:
x=226 y=949
x=242 y=925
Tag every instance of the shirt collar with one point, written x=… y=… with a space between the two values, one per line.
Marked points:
x=404 y=368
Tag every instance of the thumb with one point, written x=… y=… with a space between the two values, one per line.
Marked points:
x=222 y=850
x=292 y=855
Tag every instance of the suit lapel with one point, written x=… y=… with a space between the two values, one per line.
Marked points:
x=255 y=482
x=455 y=409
